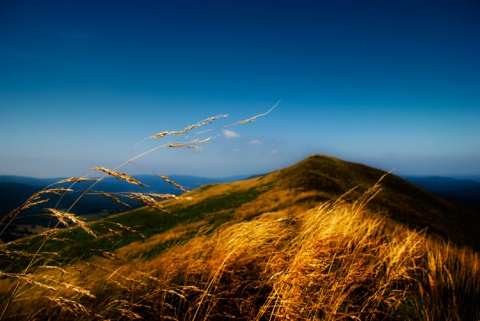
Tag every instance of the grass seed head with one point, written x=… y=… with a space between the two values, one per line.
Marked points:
x=119 y=175
x=64 y=216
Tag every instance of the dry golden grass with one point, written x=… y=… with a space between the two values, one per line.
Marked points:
x=332 y=263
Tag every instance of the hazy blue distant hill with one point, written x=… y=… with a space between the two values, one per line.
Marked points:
x=475 y=178
x=41 y=182
x=15 y=190
x=14 y=194
x=441 y=184
x=463 y=192
x=110 y=184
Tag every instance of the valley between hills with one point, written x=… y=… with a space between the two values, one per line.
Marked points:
x=323 y=239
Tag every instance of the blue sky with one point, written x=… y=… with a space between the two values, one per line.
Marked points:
x=394 y=85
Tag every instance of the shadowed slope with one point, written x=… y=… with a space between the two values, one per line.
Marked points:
x=321 y=178
x=399 y=199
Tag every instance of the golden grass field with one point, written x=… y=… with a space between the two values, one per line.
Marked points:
x=337 y=261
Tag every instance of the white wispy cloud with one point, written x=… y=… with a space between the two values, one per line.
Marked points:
x=274 y=152
x=256 y=142
x=230 y=134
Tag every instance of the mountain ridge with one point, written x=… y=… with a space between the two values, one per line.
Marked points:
x=460 y=191
x=320 y=178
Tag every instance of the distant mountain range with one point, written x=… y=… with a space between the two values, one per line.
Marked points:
x=153 y=181
x=463 y=192
x=15 y=190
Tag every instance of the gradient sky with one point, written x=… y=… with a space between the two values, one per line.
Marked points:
x=391 y=84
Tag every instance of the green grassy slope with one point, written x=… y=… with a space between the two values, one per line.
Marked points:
x=297 y=188
x=303 y=186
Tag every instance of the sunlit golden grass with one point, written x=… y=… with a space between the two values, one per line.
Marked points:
x=330 y=263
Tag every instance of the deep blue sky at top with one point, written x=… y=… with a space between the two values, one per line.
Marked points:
x=392 y=84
